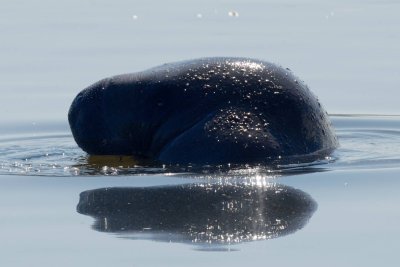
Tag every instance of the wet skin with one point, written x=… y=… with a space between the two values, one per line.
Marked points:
x=204 y=111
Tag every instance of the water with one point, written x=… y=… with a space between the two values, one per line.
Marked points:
x=61 y=207
x=367 y=142
x=58 y=202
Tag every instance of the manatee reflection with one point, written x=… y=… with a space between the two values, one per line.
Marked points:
x=203 y=213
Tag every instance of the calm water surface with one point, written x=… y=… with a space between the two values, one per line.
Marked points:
x=59 y=207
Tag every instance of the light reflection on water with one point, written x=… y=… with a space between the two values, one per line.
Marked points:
x=365 y=142
x=222 y=205
x=213 y=208
x=200 y=213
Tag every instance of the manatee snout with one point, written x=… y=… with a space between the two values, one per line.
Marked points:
x=86 y=118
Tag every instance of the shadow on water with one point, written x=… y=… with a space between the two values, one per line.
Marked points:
x=209 y=215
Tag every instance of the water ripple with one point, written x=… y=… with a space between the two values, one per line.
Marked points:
x=366 y=142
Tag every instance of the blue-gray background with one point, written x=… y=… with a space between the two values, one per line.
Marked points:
x=346 y=51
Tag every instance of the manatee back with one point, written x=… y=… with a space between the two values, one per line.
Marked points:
x=206 y=111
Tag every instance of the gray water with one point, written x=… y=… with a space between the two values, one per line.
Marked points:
x=58 y=206
x=366 y=142
x=61 y=207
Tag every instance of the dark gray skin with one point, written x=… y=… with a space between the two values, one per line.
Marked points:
x=204 y=111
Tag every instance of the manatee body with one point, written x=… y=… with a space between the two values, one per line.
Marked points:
x=204 y=111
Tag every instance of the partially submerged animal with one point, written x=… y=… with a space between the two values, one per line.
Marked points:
x=204 y=111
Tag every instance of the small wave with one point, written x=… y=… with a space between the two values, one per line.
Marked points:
x=365 y=142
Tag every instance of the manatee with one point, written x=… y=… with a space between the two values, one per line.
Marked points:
x=203 y=111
